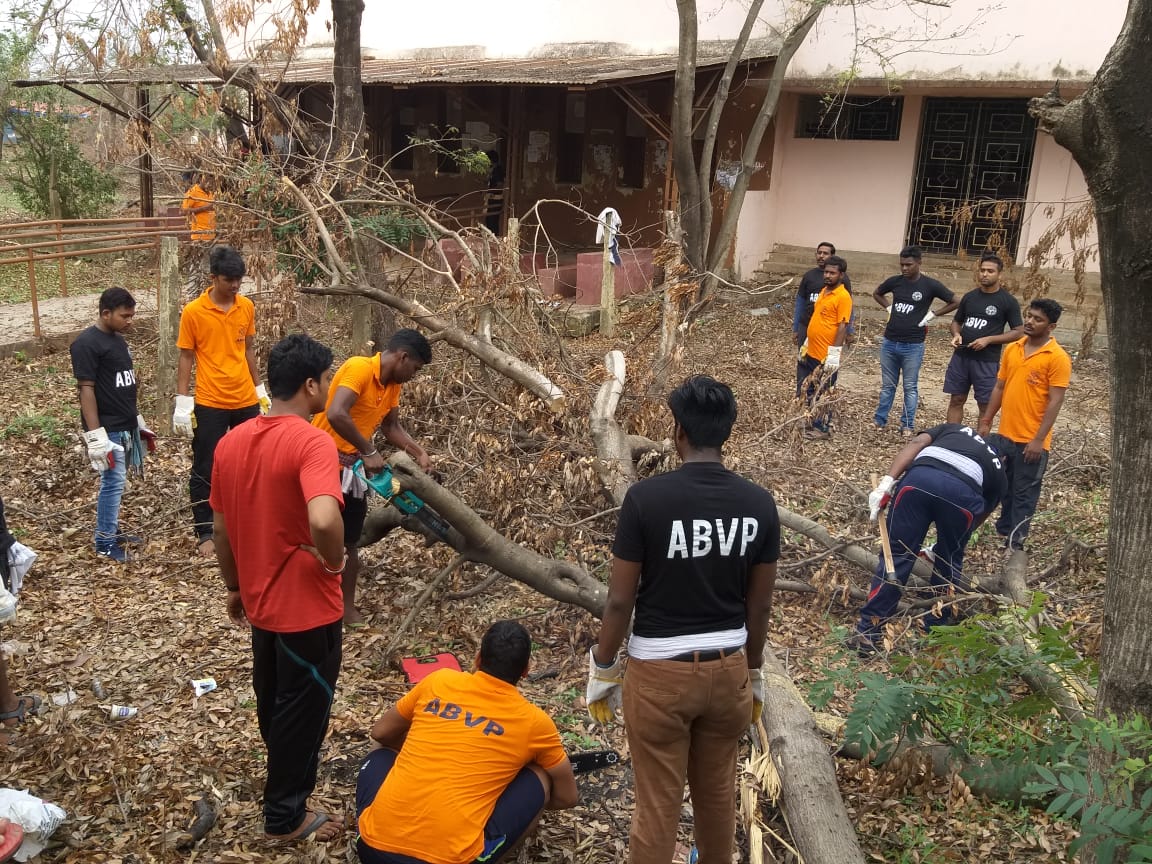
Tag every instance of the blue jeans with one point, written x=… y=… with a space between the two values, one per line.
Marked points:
x=111 y=491
x=899 y=359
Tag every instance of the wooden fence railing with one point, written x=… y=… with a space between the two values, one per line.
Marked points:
x=30 y=243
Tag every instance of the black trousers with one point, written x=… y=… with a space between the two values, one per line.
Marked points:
x=211 y=425
x=294 y=676
x=1025 y=479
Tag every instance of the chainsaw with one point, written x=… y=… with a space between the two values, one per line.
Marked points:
x=387 y=487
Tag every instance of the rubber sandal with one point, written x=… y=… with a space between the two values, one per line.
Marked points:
x=11 y=836
x=319 y=818
x=24 y=705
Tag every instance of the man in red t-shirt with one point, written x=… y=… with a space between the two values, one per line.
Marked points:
x=280 y=542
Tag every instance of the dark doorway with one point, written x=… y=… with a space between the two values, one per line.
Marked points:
x=971 y=175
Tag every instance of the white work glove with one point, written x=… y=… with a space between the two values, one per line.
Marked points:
x=879 y=497
x=604 y=694
x=146 y=434
x=832 y=361
x=98 y=449
x=756 y=677
x=924 y=321
x=803 y=351
x=262 y=396
x=888 y=312
x=182 y=420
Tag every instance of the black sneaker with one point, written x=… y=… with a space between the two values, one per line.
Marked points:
x=113 y=553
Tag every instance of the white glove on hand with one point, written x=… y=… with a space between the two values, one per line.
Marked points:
x=832 y=362
x=756 y=676
x=924 y=321
x=262 y=397
x=604 y=694
x=888 y=312
x=98 y=449
x=879 y=497
x=182 y=420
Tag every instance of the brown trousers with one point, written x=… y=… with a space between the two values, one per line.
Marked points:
x=684 y=721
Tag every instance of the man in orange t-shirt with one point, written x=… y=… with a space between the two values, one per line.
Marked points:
x=216 y=333
x=820 y=354
x=466 y=764
x=199 y=206
x=279 y=541
x=366 y=396
x=1033 y=379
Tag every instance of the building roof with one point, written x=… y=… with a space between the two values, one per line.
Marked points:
x=572 y=65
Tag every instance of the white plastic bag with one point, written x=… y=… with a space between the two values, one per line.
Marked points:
x=38 y=818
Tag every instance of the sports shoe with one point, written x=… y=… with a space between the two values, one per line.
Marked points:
x=114 y=553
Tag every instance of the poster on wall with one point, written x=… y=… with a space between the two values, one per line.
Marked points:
x=537 y=149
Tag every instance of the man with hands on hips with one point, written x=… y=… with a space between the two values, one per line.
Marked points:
x=695 y=555
x=216 y=334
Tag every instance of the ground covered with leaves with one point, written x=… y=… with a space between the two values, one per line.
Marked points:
x=90 y=633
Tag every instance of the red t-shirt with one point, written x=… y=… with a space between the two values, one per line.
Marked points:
x=265 y=473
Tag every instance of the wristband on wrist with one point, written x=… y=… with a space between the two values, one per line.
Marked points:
x=338 y=570
x=367 y=455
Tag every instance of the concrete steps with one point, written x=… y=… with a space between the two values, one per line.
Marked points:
x=869 y=269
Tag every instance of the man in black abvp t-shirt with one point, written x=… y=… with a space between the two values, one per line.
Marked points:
x=902 y=348
x=695 y=555
x=106 y=383
x=948 y=477
x=978 y=333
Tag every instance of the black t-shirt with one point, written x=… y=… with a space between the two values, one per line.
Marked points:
x=910 y=303
x=963 y=441
x=811 y=284
x=696 y=532
x=981 y=314
x=104 y=358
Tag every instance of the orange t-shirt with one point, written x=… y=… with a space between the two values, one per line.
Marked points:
x=471 y=734
x=223 y=379
x=264 y=474
x=203 y=224
x=833 y=308
x=1027 y=382
x=374 y=400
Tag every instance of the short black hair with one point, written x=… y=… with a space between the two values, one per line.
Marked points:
x=226 y=261
x=831 y=248
x=412 y=342
x=837 y=261
x=294 y=360
x=705 y=409
x=504 y=651
x=912 y=252
x=1051 y=309
x=995 y=259
x=116 y=298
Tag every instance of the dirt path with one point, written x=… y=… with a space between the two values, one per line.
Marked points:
x=61 y=315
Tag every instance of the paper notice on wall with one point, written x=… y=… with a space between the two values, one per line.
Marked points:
x=727 y=172
x=537 y=149
x=660 y=156
x=602 y=157
x=478 y=134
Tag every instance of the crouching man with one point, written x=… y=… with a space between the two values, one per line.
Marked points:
x=464 y=764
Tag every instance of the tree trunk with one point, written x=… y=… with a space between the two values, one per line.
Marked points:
x=1106 y=131
x=347 y=89
x=683 y=161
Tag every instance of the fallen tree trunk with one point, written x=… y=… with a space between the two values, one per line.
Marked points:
x=614 y=462
x=809 y=794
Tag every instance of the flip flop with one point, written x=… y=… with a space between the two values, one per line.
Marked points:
x=24 y=705
x=11 y=836
x=319 y=818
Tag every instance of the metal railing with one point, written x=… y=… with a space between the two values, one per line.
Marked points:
x=30 y=243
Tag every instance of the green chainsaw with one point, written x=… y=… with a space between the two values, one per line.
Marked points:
x=387 y=487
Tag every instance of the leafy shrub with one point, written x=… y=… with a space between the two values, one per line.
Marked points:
x=45 y=144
